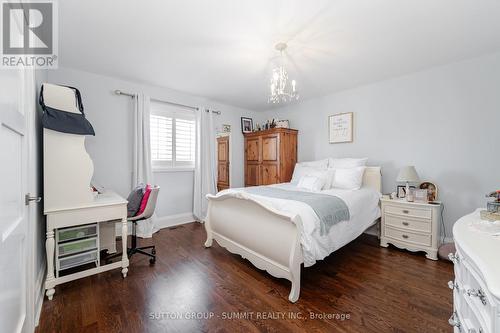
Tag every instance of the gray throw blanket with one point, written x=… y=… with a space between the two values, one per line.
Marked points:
x=330 y=209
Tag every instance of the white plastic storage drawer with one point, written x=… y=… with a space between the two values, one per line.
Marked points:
x=76 y=260
x=82 y=231
x=78 y=246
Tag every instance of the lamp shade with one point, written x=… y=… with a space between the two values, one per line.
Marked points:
x=408 y=174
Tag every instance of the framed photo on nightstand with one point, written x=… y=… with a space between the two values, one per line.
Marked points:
x=401 y=191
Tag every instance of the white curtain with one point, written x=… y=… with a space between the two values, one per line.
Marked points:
x=142 y=170
x=205 y=176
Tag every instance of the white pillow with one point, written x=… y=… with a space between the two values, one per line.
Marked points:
x=321 y=164
x=349 y=179
x=330 y=174
x=301 y=171
x=326 y=174
x=311 y=183
x=345 y=163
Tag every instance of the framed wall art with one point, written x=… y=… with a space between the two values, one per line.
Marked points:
x=340 y=127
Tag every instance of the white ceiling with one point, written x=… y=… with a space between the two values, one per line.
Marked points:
x=224 y=49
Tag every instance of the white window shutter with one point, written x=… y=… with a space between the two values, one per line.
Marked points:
x=173 y=136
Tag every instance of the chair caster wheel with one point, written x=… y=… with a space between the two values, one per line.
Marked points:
x=152 y=261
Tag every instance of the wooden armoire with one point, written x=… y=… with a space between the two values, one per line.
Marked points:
x=270 y=156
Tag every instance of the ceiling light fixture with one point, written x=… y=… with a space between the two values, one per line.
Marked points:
x=281 y=91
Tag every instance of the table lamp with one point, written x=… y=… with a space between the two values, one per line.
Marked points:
x=408 y=175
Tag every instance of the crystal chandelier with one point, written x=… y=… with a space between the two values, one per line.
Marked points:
x=281 y=91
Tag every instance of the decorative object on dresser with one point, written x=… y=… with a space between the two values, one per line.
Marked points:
x=432 y=190
x=246 y=125
x=282 y=124
x=476 y=288
x=270 y=156
x=411 y=225
x=408 y=175
x=340 y=127
x=421 y=196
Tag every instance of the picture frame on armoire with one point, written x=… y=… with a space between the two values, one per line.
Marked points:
x=246 y=125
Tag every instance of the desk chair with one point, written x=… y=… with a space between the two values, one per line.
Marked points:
x=148 y=212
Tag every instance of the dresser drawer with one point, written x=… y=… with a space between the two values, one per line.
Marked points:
x=408 y=223
x=470 y=320
x=408 y=236
x=477 y=295
x=408 y=211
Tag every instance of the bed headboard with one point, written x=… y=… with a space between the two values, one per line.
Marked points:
x=373 y=178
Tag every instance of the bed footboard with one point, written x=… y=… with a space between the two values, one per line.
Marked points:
x=268 y=239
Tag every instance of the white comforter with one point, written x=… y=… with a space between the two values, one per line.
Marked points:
x=363 y=207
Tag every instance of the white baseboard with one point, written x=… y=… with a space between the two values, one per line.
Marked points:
x=40 y=295
x=173 y=220
x=163 y=222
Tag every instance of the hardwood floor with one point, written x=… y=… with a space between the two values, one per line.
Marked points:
x=378 y=289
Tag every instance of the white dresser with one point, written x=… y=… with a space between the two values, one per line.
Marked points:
x=411 y=225
x=476 y=289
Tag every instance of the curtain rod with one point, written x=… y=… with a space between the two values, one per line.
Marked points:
x=119 y=92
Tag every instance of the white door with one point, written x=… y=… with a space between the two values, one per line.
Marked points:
x=13 y=211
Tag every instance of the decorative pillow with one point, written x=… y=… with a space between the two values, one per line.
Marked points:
x=320 y=164
x=145 y=199
x=134 y=200
x=349 y=179
x=311 y=183
x=301 y=171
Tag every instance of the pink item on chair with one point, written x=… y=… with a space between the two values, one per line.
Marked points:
x=144 y=201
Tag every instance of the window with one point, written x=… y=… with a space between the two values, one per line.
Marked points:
x=173 y=136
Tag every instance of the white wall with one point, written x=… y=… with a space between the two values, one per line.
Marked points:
x=445 y=121
x=111 y=148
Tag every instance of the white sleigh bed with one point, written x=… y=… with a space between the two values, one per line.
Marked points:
x=270 y=238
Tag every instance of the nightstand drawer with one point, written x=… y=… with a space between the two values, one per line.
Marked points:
x=408 y=223
x=408 y=236
x=408 y=211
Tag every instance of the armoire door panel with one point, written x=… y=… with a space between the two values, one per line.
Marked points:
x=252 y=175
x=222 y=151
x=270 y=148
x=223 y=175
x=253 y=149
x=269 y=174
x=222 y=162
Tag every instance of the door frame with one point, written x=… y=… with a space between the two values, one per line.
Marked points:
x=36 y=278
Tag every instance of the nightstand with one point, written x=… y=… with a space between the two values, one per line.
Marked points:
x=411 y=225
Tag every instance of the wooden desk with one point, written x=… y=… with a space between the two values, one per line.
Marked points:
x=105 y=207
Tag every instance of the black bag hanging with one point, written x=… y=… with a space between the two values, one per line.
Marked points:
x=64 y=121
